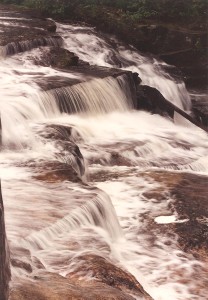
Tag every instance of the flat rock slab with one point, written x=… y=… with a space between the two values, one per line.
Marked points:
x=190 y=202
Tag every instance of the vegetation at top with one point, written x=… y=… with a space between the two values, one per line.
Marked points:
x=134 y=10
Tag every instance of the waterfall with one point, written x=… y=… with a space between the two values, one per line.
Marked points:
x=83 y=172
x=22 y=46
x=93 y=97
x=97 y=211
x=109 y=52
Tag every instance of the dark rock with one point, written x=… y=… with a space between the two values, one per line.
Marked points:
x=176 y=43
x=200 y=110
x=70 y=158
x=51 y=27
x=192 y=203
x=193 y=65
x=5 y=274
x=62 y=58
x=152 y=100
x=57 y=132
x=21 y=264
x=23 y=33
x=57 y=57
x=87 y=72
x=189 y=192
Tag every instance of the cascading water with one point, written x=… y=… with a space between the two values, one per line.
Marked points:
x=94 y=97
x=91 y=47
x=16 y=47
x=55 y=209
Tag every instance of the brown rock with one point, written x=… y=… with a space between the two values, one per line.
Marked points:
x=189 y=192
x=56 y=287
x=4 y=255
x=21 y=264
x=104 y=271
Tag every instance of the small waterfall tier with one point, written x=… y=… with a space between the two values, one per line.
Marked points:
x=19 y=33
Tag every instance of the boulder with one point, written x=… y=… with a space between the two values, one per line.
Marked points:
x=152 y=100
x=103 y=271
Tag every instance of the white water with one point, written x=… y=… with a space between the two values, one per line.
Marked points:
x=109 y=52
x=59 y=220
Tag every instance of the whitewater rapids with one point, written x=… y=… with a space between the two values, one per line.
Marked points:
x=55 y=221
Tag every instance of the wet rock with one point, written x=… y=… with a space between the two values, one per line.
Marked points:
x=58 y=58
x=189 y=200
x=51 y=27
x=56 y=287
x=37 y=263
x=55 y=172
x=112 y=159
x=57 y=132
x=103 y=271
x=21 y=264
x=23 y=33
x=192 y=203
x=84 y=71
x=62 y=58
x=181 y=44
x=200 y=109
x=193 y=65
x=5 y=274
x=152 y=100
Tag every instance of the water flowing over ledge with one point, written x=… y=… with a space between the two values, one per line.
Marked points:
x=85 y=176
x=22 y=46
x=94 y=97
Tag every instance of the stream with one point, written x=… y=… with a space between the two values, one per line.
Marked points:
x=75 y=183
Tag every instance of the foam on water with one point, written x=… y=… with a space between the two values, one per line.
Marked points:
x=157 y=259
x=168 y=146
x=54 y=221
x=24 y=104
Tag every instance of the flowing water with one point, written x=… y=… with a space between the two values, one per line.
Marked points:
x=62 y=201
